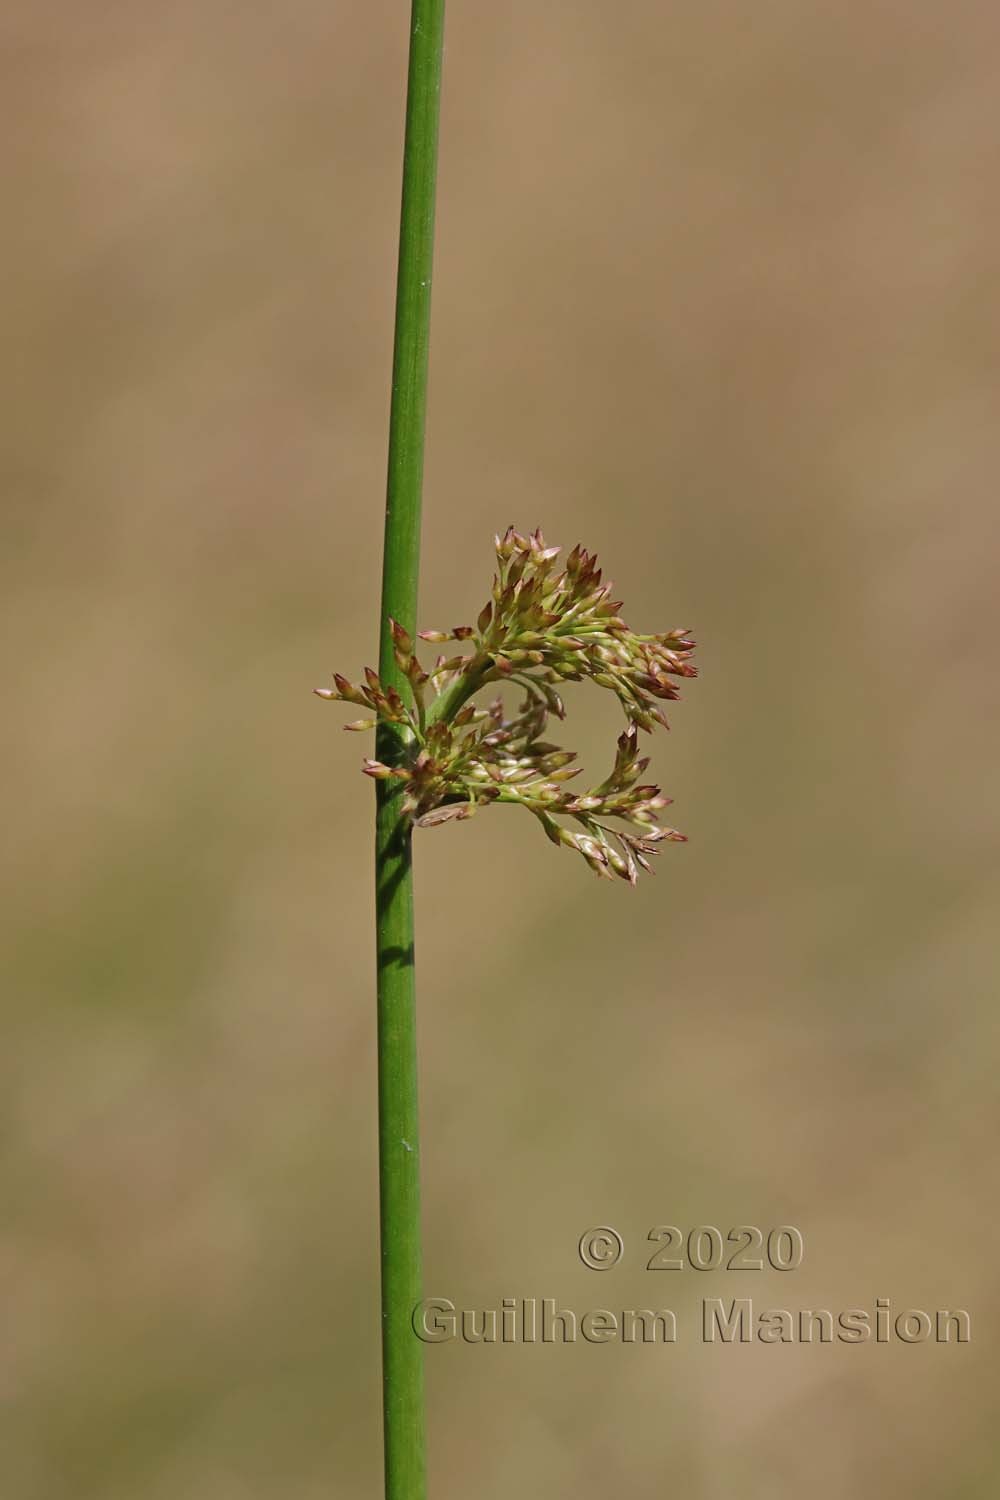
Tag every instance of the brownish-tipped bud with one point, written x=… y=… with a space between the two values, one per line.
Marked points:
x=669 y=835
x=505 y=544
x=595 y=858
x=552 y=760
x=485 y=616
x=435 y=637
x=453 y=810
x=377 y=770
x=584 y=804
x=401 y=638
x=348 y=691
x=356 y=725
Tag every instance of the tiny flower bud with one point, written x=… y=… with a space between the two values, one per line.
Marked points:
x=401 y=637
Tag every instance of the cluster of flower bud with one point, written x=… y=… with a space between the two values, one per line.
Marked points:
x=543 y=626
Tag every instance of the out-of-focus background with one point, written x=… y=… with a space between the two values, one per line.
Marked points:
x=715 y=294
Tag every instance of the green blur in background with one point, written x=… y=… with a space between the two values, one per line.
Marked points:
x=715 y=295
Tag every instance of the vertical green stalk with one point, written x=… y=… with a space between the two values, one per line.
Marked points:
x=399 y=1155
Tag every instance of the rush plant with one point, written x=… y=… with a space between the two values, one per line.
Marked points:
x=442 y=751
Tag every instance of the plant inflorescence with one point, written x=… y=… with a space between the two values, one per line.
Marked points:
x=545 y=624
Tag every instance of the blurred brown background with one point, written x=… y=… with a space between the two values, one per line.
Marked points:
x=716 y=295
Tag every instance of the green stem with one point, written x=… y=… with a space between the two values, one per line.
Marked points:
x=399 y=1156
x=460 y=691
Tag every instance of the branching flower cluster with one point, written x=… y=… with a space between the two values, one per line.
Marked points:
x=546 y=624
